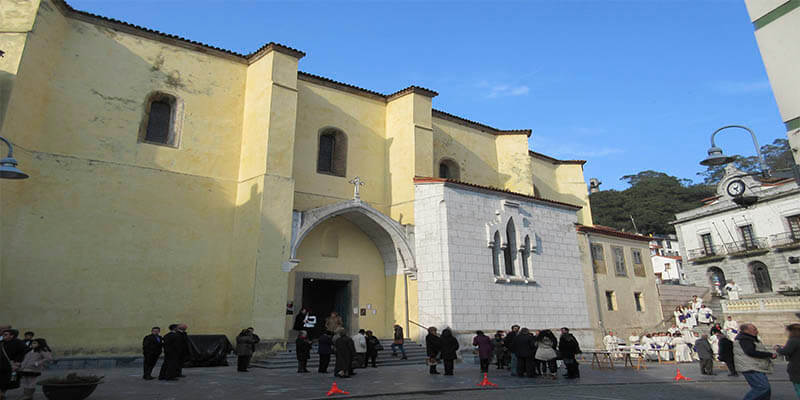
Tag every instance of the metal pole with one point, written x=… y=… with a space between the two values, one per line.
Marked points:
x=761 y=161
x=10 y=147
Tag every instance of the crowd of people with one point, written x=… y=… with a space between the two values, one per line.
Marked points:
x=22 y=361
x=174 y=345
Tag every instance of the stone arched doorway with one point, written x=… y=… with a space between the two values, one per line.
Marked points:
x=716 y=278
x=761 y=279
x=355 y=257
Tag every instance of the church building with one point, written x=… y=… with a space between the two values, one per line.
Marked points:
x=172 y=181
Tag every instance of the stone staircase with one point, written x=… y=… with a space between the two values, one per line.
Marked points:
x=288 y=359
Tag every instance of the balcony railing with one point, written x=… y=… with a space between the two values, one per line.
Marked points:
x=747 y=247
x=761 y=305
x=785 y=241
x=707 y=253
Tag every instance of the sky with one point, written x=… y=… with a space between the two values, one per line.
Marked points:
x=626 y=85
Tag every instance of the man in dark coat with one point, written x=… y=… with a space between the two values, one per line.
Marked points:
x=184 y=348
x=15 y=350
x=245 y=347
x=508 y=341
x=152 y=345
x=345 y=352
x=522 y=347
x=303 y=350
x=726 y=353
x=373 y=344
x=325 y=350
x=173 y=355
x=568 y=347
x=449 y=350
x=433 y=346
x=703 y=348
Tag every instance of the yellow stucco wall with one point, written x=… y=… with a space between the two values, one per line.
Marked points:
x=562 y=182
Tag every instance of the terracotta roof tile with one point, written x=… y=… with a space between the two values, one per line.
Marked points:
x=455 y=118
x=554 y=160
x=422 y=179
x=339 y=85
x=607 y=231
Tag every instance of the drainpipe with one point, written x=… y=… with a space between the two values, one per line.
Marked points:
x=596 y=288
x=405 y=286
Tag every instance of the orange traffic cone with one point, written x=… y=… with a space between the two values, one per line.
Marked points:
x=679 y=376
x=335 y=390
x=485 y=381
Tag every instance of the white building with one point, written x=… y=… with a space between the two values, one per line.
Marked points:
x=666 y=258
x=724 y=241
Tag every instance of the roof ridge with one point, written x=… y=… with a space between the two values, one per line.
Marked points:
x=553 y=159
x=424 y=179
x=447 y=115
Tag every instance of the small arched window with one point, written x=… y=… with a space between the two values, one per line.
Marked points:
x=332 y=153
x=448 y=169
x=526 y=255
x=496 y=254
x=509 y=252
x=162 y=120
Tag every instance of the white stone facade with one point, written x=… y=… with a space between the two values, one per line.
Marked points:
x=458 y=287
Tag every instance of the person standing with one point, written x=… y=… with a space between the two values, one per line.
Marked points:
x=610 y=342
x=546 y=352
x=32 y=366
x=28 y=340
x=325 y=349
x=732 y=289
x=726 y=353
x=245 y=347
x=373 y=346
x=433 y=346
x=170 y=368
x=681 y=345
x=731 y=328
x=300 y=320
x=303 y=351
x=152 y=346
x=485 y=348
x=508 y=341
x=754 y=361
x=499 y=349
x=183 y=343
x=703 y=348
x=333 y=322
x=345 y=351
x=12 y=352
x=449 y=350
x=523 y=349
x=705 y=315
x=568 y=347
x=399 y=340
x=360 y=342
x=791 y=350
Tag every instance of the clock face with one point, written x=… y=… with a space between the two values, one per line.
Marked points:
x=736 y=188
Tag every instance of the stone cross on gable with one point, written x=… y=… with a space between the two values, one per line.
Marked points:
x=357 y=182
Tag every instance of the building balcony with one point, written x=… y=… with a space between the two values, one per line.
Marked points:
x=707 y=254
x=785 y=241
x=748 y=248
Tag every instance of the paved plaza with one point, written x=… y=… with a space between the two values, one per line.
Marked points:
x=413 y=382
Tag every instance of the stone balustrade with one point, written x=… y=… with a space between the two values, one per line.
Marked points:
x=766 y=304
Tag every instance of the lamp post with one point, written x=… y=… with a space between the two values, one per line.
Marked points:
x=8 y=165
x=715 y=156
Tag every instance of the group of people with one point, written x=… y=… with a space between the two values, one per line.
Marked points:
x=695 y=313
x=305 y=320
x=754 y=360
x=175 y=346
x=21 y=361
x=524 y=352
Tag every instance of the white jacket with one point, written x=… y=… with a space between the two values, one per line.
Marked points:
x=360 y=342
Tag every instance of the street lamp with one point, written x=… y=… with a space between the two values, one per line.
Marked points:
x=8 y=165
x=715 y=156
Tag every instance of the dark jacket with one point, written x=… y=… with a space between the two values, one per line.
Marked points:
x=303 y=348
x=485 y=346
x=522 y=346
x=703 y=348
x=748 y=343
x=15 y=349
x=508 y=341
x=372 y=345
x=725 y=350
x=152 y=346
x=449 y=346
x=246 y=344
x=398 y=335
x=298 y=321
x=345 y=351
x=325 y=344
x=792 y=352
x=568 y=346
x=433 y=345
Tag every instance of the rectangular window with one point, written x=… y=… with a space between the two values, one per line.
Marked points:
x=638 y=265
x=619 y=261
x=598 y=262
x=639 y=300
x=611 y=301
x=708 y=246
x=747 y=236
x=159 y=122
x=327 y=143
x=794 y=226
x=668 y=243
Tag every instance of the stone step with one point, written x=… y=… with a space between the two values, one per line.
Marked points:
x=415 y=354
x=314 y=362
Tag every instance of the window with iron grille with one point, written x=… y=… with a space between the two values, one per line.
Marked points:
x=747 y=236
x=794 y=226
x=708 y=245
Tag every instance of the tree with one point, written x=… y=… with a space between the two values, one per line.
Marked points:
x=777 y=155
x=652 y=200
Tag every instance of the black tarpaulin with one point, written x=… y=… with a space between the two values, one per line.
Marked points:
x=208 y=351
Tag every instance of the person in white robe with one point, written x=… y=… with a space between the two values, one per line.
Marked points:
x=611 y=342
x=732 y=289
x=705 y=315
x=663 y=341
x=674 y=328
x=731 y=328
x=714 y=341
x=648 y=344
x=682 y=351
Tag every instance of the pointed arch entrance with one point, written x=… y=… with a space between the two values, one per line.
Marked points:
x=350 y=258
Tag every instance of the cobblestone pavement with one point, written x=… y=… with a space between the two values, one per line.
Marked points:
x=413 y=381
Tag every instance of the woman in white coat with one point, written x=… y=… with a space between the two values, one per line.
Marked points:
x=682 y=351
